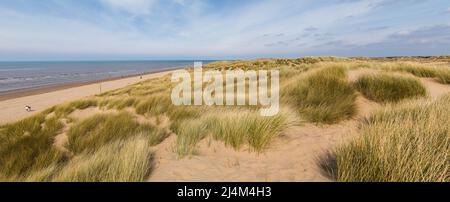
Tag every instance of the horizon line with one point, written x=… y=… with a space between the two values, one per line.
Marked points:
x=217 y=59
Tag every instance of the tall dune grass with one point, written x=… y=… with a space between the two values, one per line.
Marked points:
x=125 y=160
x=101 y=129
x=189 y=134
x=405 y=142
x=118 y=103
x=65 y=109
x=441 y=73
x=154 y=105
x=325 y=96
x=107 y=147
x=178 y=114
x=247 y=127
x=443 y=76
x=26 y=146
x=234 y=128
x=389 y=88
x=416 y=69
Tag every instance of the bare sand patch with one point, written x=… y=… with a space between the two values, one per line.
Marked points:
x=291 y=157
x=434 y=88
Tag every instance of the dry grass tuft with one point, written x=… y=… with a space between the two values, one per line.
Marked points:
x=189 y=133
x=416 y=69
x=389 y=88
x=125 y=160
x=443 y=76
x=101 y=129
x=65 y=109
x=234 y=128
x=325 y=96
x=26 y=146
x=404 y=142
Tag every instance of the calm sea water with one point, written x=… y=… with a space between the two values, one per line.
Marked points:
x=25 y=75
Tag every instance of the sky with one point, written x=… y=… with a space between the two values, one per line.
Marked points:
x=225 y=29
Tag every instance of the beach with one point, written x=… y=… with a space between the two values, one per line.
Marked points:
x=13 y=105
x=140 y=135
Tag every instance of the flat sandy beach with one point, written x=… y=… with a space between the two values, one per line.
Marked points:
x=13 y=109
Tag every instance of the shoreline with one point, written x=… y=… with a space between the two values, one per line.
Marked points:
x=13 y=94
x=39 y=100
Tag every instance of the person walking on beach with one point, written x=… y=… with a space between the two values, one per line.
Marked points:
x=28 y=108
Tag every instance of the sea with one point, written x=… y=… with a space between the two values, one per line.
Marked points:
x=33 y=75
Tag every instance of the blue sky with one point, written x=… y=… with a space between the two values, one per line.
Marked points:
x=226 y=29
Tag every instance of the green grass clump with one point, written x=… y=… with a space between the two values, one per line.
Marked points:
x=325 y=96
x=440 y=73
x=416 y=69
x=154 y=105
x=119 y=103
x=237 y=129
x=126 y=160
x=443 y=76
x=101 y=129
x=189 y=133
x=107 y=147
x=389 y=88
x=178 y=114
x=234 y=129
x=27 y=146
x=406 y=142
x=83 y=104
x=11 y=132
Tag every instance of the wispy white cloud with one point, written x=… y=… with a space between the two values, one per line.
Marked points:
x=191 y=28
x=137 y=7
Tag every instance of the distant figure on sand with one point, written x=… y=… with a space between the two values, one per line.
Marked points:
x=28 y=108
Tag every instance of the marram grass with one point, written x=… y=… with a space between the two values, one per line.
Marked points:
x=101 y=129
x=389 y=88
x=325 y=96
x=407 y=142
x=443 y=76
x=123 y=160
x=234 y=128
x=27 y=146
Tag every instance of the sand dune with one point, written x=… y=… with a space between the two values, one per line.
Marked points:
x=291 y=157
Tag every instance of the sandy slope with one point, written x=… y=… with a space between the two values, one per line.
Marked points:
x=292 y=157
x=13 y=109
